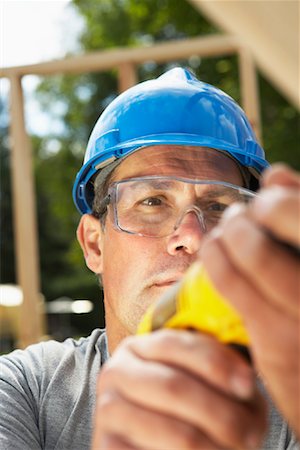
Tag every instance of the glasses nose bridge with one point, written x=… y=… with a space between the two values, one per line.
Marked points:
x=188 y=210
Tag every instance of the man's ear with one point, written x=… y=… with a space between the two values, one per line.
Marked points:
x=90 y=238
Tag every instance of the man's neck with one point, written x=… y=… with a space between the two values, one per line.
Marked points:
x=115 y=332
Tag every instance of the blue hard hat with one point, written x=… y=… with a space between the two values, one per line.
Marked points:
x=177 y=109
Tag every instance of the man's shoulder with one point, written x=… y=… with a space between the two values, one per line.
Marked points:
x=45 y=358
x=52 y=384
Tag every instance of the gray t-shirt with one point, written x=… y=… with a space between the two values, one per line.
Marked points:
x=48 y=393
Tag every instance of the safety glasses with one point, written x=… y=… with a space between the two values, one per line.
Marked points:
x=155 y=206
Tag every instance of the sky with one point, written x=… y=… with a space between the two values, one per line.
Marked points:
x=33 y=31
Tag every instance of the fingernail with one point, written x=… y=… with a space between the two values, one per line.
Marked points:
x=253 y=440
x=243 y=384
x=265 y=200
x=215 y=233
x=232 y=211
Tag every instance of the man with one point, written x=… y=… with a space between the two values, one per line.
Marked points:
x=164 y=161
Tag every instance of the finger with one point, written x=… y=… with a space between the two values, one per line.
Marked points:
x=277 y=209
x=245 y=296
x=282 y=175
x=135 y=425
x=172 y=392
x=201 y=355
x=279 y=368
x=265 y=263
x=112 y=442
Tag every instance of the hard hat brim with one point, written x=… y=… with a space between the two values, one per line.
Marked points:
x=117 y=153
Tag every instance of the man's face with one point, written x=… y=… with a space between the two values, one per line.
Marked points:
x=137 y=270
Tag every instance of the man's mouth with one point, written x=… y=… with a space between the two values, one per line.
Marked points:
x=166 y=278
x=168 y=282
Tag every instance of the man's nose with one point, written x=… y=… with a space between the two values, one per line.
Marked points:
x=188 y=233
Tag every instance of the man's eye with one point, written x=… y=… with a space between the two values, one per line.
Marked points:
x=152 y=201
x=217 y=207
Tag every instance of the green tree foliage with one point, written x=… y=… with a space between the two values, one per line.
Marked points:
x=78 y=101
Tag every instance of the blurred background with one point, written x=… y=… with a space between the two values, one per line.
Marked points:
x=61 y=109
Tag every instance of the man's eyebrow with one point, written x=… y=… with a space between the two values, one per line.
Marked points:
x=156 y=184
x=213 y=191
x=220 y=192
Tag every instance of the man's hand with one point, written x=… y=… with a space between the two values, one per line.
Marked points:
x=177 y=389
x=261 y=277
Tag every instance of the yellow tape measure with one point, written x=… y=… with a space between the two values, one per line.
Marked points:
x=194 y=303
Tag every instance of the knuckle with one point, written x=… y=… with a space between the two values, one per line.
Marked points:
x=113 y=442
x=170 y=341
x=173 y=383
x=234 y=427
x=190 y=438
x=215 y=357
x=167 y=338
x=193 y=341
x=110 y=375
x=125 y=345
x=281 y=201
x=127 y=341
x=216 y=361
x=107 y=403
x=102 y=378
x=106 y=374
x=193 y=438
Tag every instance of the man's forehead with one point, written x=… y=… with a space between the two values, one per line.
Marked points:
x=177 y=160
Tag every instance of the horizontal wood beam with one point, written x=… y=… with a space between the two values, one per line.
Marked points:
x=206 y=46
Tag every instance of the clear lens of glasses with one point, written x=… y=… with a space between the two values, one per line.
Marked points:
x=155 y=206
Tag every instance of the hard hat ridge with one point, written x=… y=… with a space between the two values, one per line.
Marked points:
x=177 y=74
x=174 y=109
